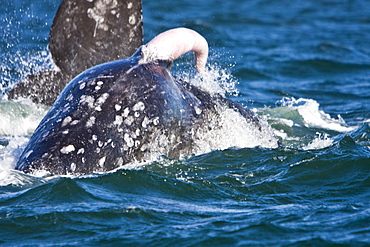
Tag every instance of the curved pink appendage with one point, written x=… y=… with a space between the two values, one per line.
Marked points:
x=173 y=43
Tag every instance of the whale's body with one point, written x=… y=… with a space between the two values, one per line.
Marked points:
x=121 y=112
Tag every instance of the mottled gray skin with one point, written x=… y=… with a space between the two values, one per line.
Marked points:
x=83 y=34
x=120 y=112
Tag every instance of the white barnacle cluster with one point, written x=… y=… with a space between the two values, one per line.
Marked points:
x=67 y=149
x=130 y=118
x=81 y=151
x=98 y=85
x=117 y=107
x=118 y=120
x=66 y=121
x=198 y=111
x=139 y=106
x=90 y=121
x=94 y=103
x=100 y=143
x=82 y=85
x=79 y=154
x=102 y=161
x=100 y=101
x=133 y=20
x=73 y=167
x=125 y=116
x=69 y=121
x=82 y=155
x=88 y=100
x=98 y=12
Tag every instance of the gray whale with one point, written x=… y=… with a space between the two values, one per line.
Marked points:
x=129 y=110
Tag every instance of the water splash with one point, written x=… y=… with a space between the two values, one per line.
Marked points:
x=231 y=130
x=228 y=129
x=19 y=118
x=15 y=67
x=301 y=123
x=9 y=154
x=216 y=80
x=313 y=117
x=322 y=140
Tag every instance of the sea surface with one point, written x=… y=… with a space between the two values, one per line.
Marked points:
x=303 y=66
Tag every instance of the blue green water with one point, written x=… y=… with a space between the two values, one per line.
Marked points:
x=304 y=66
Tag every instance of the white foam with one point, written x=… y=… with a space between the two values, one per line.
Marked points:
x=11 y=152
x=9 y=156
x=231 y=130
x=296 y=122
x=19 y=118
x=321 y=141
x=313 y=117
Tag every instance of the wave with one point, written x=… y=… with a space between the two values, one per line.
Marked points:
x=276 y=191
x=237 y=190
x=299 y=123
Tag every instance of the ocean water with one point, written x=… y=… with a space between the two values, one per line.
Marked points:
x=303 y=66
